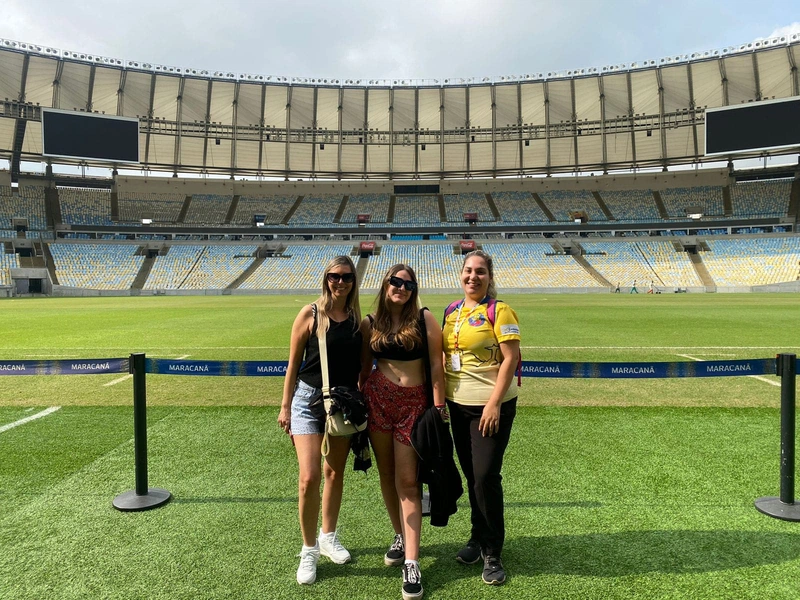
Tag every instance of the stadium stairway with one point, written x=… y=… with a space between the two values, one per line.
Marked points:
x=442 y=209
x=292 y=210
x=592 y=271
x=603 y=206
x=51 y=265
x=246 y=274
x=794 y=200
x=493 y=207
x=114 y=206
x=702 y=272
x=361 y=267
x=232 y=209
x=143 y=274
x=338 y=216
x=543 y=207
x=390 y=212
x=727 y=204
x=662 y=210
x=184 y=209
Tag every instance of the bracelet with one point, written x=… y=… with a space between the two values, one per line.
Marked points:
x=443 y=412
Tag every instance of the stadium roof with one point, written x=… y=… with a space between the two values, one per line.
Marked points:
x=625 y=116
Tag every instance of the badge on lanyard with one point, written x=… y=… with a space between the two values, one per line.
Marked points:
x=455 y=362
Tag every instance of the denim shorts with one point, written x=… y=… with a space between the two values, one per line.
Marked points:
x=303 y=421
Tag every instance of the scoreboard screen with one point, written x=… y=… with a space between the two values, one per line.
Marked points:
x=88 y=136
x=766 y=125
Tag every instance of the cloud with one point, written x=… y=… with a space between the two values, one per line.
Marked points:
x=785 y=31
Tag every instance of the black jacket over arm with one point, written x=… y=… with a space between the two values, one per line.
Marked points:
x=437 y=468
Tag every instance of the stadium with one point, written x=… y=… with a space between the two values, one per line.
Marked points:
x=195 y=220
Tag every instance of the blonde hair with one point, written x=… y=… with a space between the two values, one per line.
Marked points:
x=408 y=335
x=324 y=303
x=491 y=292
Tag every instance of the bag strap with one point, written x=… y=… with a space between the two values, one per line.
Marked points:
x=323 y=360
x=427 y=356
x=450 y=308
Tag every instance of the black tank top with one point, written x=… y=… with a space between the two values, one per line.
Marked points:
x=344 y=355
x=395 y=351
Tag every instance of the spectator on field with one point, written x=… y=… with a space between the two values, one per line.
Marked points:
x=481 y=346
x=396 y=397
x=651 y=288
x=616 y=289
x=335 y=313
x=633 y=288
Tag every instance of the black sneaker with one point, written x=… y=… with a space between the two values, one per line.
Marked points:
x=396 y=555
x=469 y=554
x=493 y=571
x=412 y=582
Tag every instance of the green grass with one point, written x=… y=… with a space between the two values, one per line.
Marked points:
x=614 y=488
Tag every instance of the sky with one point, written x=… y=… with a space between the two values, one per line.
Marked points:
x=407 y=39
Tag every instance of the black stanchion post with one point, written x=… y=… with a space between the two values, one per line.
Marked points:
x=143 y=497
x=785 y=507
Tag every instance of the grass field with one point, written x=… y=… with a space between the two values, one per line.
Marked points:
x=614 y=488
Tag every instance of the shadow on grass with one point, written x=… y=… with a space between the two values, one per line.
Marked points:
x=593 y=555
x=233 y=500
x=639 y=552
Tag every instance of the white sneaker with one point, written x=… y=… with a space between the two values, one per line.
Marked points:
x=307 y=571
x=330 y=546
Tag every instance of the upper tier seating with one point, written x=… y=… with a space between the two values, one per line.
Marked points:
x=162 y=208
x=29 y=204
x=761 y=198
x=457 y=204
x=416 y=211
x=273 y=208
x=85 y=206
x=707 y=198
x=218 y=267
x=375 y=205
x=317 y=210
x=170 y=271
x=519 y=207
x=208 y=209
x=561 y=203
x=631 y=206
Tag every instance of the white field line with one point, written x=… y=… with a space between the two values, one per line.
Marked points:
x=38 y=415
x=183 y=348
x=764 y=379
x=128 y=376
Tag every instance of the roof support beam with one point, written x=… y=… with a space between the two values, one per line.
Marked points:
x=756 y=77
x=493 y=92
x=519 y=128
x=235 y=123
x=261 y=124
x=576 y=127
x=547 y=162
x=661 y=128
x=179 y=117
x=288 y=135
x=692 y=110
x=391 y=133
x=149 y=119
x=366 y=132
x=604 y=139
x=467 y=130
x=631 y=119
x=793 y=72
x=208 y=124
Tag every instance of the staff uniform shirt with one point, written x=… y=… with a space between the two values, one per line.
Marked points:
x=479 y=345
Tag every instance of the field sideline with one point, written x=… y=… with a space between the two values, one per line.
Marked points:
x=615 y=488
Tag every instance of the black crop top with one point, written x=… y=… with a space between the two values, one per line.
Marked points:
x=344 y=355
x=395 y=351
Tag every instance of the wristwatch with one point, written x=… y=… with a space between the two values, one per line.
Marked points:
x=444 y=413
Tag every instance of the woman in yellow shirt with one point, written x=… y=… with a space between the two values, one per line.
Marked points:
x=481 y=344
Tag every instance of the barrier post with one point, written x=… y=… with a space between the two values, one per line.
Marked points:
x=784 y=507
x=143 y=497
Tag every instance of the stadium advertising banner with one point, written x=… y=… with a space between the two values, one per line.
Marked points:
x=467 y=245
x=367 y=246
x=89 y=136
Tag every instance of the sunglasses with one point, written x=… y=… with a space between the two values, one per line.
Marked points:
x=401 y=283
x=337 y=277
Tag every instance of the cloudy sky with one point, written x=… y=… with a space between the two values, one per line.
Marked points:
x=414 y=39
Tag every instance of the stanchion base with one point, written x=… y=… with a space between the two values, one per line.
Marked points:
x=772 y=506
x=131 y=501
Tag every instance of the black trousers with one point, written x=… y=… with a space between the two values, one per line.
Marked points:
x=481 y=459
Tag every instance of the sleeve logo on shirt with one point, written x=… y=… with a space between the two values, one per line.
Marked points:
x=509 y=329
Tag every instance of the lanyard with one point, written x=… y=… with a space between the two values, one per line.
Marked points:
x=459 y=323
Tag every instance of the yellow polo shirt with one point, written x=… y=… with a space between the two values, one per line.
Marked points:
x=479 y=344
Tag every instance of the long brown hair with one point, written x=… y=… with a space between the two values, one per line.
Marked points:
x=325 y=301
x=491 y=292
x=408 y=335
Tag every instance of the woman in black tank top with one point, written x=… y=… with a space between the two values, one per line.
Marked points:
x=335 y=315
x=396 y=396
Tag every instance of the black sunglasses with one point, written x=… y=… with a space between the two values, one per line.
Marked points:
x=337 y=277
x=400 y=283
